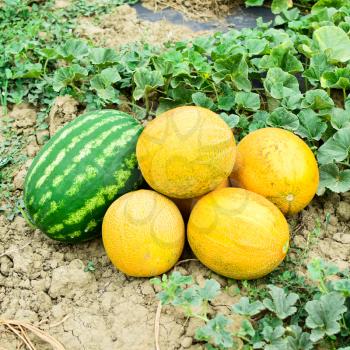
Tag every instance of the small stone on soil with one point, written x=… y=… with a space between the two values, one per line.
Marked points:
x=343 y=211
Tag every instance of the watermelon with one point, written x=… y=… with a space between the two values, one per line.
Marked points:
x=79 y=172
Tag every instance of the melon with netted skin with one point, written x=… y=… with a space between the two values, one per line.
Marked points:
x=186 y=152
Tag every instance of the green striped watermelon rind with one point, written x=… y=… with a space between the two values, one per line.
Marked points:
x=79 y=172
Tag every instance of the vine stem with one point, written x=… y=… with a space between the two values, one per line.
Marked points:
x=157 y=325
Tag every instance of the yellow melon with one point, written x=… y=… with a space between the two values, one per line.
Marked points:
x=143 y=233
x=186 y=205
x=278 y=165
x=238 y=233
x=186 y=152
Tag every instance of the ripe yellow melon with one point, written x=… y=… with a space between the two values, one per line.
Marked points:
x=278 y=165
x=238 y=233
x=143 y=233
x=186 y=152
x=186 y=204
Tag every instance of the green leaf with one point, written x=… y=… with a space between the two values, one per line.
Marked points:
x=256 y=46
x=278 y=6
x=233 y=68
x=319 y=269
x=280 y=84
x=292 y=102
x=164 y=104
x=246 y=308
x=216 y=331
x=231 y=119
x=146 y=81
x=334 y=179
x=73 y=48
x=281 y=56
x=320 y=4
x=27 y=70
x=226 y=103
x=324 y=314
x=250 y=3
x=337 y=79
x=210 y=290
x=102 y=83
x=200 y=99
x=311 y=125
x=342 y=286
x=282 y=118
x=68 y=75
x=189 y=297
x=317 y=99
x=334 y=42
x=281 y=304
x=259 y=120
x=249 y=101
x=298 y=340
x=273 y=336
x=48 y=53
x=246 y=329
x=340 y=118
x=335 y=148
x=318 y=65
x=102 y=56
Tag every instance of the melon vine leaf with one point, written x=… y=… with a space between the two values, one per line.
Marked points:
x=217 y=332
x=280 y=84
x=282 y=118
x=146 y=81
x=317 y=100
x=336 y=180
x=249 y=101
x=256 y=46
x=226 y=103
x=292 y=102
x=249 y=3
x=281 y=304
x=246 y=329
x=27 y=70
x=273 y=338
x=259 y=120
x=281 y=57
x=189 y=297
x=318 y=269
x=324 y=314
x=73 y=49
x=338 y=79
x=233 y=68
x=246 y=308
x=278 y=6
x=334 y=42
x=342 y=286
x=231 y=119
x=318 y=65
x=171 y=286
x=65 y=76
x=200 y=99
x=340 y=118
x=298 y=340
x=311 y=127
x=335 y=148
x=102 y=56
x=102 y=84
x=210 y=290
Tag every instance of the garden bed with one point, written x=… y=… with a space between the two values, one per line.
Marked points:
x=73 y=292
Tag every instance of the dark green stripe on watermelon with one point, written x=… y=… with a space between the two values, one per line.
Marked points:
x=75 y=177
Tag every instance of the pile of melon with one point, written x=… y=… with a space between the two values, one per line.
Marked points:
x=90 y=173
